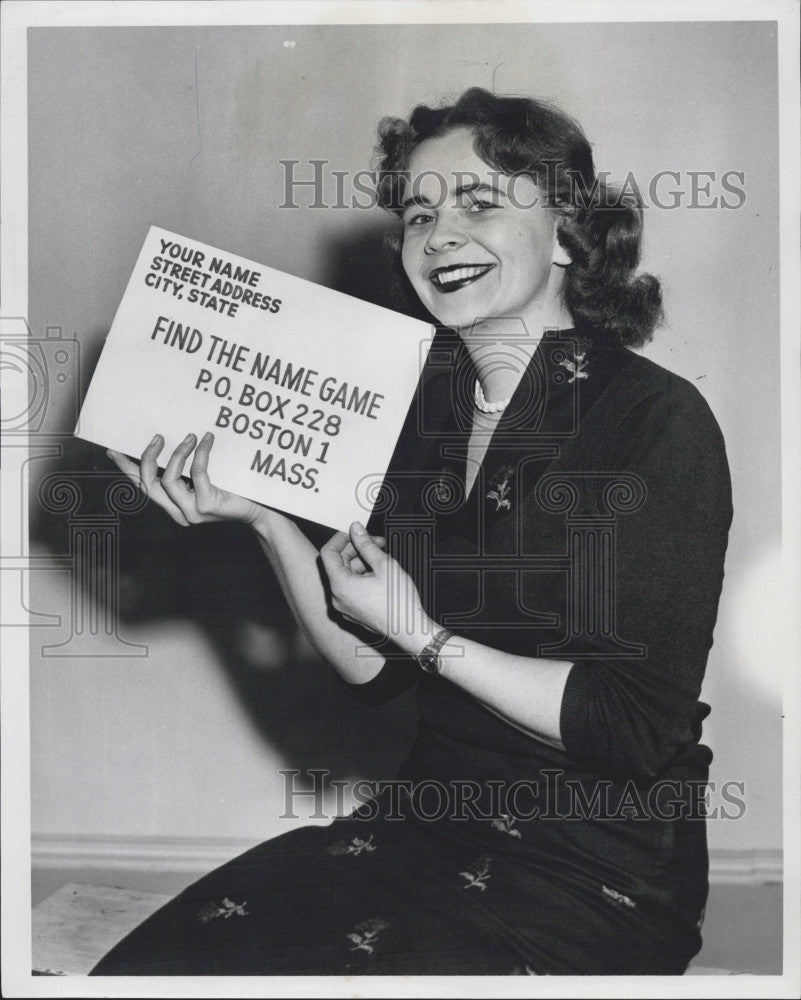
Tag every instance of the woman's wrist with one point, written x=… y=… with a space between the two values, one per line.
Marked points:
x=415 y=642
x=266 y=522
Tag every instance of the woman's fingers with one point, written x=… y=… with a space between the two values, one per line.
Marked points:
x=332 y=558
x=368 y=551
x=350 y=550
x=148 y=466
x=154 y=492
x=212 y=502
x=125 y=464
x=174 y=469
x=339 y=574
x=176 y=489
x=343 y=552
x=200 y=465
x=359 y=597
x=195 y=504
x=353 y=560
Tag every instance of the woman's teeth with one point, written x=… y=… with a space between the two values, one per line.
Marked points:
x=458 y=277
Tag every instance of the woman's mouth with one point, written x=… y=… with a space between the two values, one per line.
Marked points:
x=456 y=276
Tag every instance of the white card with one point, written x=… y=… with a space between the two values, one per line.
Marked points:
x=305 y=389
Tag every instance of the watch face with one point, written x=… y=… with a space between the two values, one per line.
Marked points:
x=429 y=657
x=429 y=662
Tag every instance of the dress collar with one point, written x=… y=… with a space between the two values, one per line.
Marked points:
x=562 y=365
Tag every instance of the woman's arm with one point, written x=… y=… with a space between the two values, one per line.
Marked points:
x=292 y=556
x=368 y=588
x=296 y=564
x=524 y=691
x=633 y=715
x=628 y=715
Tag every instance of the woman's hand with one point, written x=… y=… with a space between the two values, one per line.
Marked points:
x=187 y=504
x=352 y=559
x=370 y=588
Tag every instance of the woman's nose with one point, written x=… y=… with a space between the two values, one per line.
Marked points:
x=444 y=235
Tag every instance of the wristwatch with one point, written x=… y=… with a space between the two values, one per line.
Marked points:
x=428 y=658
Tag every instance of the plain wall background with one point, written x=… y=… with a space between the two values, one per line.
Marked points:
x=184 y=128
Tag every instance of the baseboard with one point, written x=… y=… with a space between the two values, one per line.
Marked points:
x=182 y=855
x=198 y=855
x=745 y=867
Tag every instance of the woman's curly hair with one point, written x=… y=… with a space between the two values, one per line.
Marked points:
x=600 y=228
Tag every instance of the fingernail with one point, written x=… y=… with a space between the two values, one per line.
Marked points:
x=207 y=436
x=188 y=438
x=156 y=439
x=357 y=528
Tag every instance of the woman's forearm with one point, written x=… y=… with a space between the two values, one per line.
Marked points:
x=524 y=691
x=294 y=559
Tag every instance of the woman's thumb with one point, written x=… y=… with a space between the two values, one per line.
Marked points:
x=364 y=544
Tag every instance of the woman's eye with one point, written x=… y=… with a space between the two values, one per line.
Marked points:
x=419 y=219
x=477 y=205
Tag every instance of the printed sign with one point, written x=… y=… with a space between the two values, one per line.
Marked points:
x=305 y=389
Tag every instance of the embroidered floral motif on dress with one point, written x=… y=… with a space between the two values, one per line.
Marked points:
x=501 y=488
x=477 y=874
x=225 y=909
x=506 y=823
x=618 y=897
x=355 y=847
x=576 y=367
x=364 y=935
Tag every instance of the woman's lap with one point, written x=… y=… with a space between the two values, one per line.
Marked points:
x=379 y=898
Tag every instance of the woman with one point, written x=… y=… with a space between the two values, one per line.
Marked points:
x=562 y=505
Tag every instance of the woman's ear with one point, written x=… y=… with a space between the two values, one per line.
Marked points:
x=564 y=213
x=560 y=256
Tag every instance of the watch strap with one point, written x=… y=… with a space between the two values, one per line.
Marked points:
x=428 y=657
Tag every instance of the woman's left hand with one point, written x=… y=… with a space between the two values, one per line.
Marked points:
x=372 y=589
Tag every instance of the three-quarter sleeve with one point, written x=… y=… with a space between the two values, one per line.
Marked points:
x=632 y=715
x=395 y=677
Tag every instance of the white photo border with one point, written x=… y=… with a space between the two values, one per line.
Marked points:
x=17 y=16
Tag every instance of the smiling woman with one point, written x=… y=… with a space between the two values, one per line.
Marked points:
x=479 y=238
x=545 y=565
x=523 y=155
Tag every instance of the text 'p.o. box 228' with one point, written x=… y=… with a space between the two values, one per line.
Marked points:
x=305 y=389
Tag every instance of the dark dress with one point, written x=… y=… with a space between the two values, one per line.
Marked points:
x=595 y=533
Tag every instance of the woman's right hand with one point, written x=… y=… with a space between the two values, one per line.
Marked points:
x=195 y=503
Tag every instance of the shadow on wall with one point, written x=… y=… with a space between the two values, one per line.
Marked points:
x=366 y=267
x=216 y=576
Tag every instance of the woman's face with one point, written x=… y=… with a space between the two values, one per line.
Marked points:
x=472 y=247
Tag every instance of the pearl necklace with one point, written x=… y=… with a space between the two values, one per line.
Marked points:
x=486 y=407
